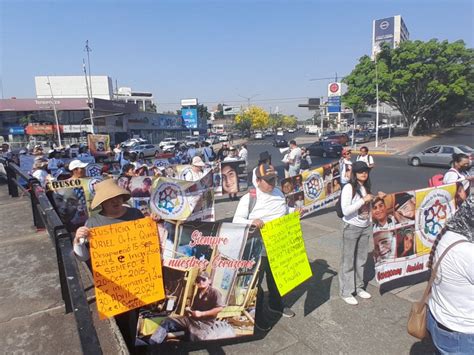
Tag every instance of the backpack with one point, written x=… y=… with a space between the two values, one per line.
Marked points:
x=304 y=164
x=436 y=180
x=338 y=205
x=252 y=199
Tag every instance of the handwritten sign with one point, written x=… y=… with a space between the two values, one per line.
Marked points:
x=126 y=265
x=286 y=252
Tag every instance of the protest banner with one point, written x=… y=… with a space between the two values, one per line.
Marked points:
x=126 y=265
x=286 y=252
x=230 y=256
x=313 y=189
x=405 y=225
x=99 y=144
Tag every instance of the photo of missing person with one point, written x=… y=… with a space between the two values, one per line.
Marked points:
x=287 y=186
x=100 y=146
x=336 y=185
x=297 y=183
x=335 y=171
x=404 y=207
x=141 y=186
x=384 y=246
x=142 y=204
x=230 y=177
x=381 y=217
x=295 y=200
x=70 y=205
x=124 y=182
x=405 y=242
x=327 y=173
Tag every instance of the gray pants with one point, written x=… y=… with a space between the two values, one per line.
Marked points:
x=355 y=246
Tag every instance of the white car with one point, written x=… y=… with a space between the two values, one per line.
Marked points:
x=145 y=150
x=280 y=133
x=258 y=135
x=223 y=138
x=212 y=140
x=168 y=141
x=191 y=140
x=291 y=130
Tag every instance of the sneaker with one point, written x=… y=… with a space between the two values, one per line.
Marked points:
x=263 y=327
x=350 y=300
x=364 y=294
x=285 y=312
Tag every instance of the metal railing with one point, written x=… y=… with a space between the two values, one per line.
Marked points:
x=72 y=289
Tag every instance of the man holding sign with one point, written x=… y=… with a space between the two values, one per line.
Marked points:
x=264 y=204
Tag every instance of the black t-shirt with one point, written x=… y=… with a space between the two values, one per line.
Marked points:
x=99 y=220
x=212 y=298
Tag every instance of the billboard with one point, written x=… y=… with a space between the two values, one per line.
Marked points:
x=190 y=117
x=189 y=102
x=230 y=110
x=383 y=32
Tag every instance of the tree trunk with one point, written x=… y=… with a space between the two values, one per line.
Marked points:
x=412 y=127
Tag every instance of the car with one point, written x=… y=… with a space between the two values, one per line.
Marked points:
x=291 y=130
x=362 y=137
x=258 y=135
x=223 y=137
x=168 y=141
x=280 y=142
x=325 y=135
x=439 y=155
x=192 y=140
x=341 y=138
x=268 y=133
x=145 y=150
x=212 y=140
x=325 y=149
x=280 y=133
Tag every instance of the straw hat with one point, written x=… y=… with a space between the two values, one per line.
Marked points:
x=106 y=190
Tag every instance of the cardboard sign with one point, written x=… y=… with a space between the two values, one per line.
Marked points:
x=286 y=252
x=99 y=144
x=126 y=266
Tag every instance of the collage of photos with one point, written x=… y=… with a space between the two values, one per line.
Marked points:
x=201 y=272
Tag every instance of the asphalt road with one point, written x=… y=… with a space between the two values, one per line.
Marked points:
x=391 y=173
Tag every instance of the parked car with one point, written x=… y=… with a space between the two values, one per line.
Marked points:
x=212 y=140
x=280 y=142
x=168 y=141
x=145 y=150
x=223 y=137
x=341 y=138
x=280 y=133
x=326 y=134
x=291 y=130
x=192 y=140
x=361 y=137
x=325 y=149
x=258 y=135
x=439 y=155
x=268 y=133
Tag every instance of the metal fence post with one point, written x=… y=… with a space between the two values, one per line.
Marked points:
x=11 y=176
x=59 y=234
x=37 y=220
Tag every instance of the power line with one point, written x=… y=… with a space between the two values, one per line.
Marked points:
x=242 y=101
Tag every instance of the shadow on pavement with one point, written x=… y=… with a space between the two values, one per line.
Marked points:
x=424 y=346
x=404 y=281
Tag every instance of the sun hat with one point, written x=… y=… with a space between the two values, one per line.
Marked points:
x=107 y=189
x=359 y=167
x=197 y=161
x=76 y=163
x=266 y=172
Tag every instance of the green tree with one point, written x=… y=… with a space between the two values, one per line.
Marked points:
x=415 y=78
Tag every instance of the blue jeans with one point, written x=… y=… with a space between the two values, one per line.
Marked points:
x=449 y=342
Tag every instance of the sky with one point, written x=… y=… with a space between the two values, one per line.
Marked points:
x=216 y=51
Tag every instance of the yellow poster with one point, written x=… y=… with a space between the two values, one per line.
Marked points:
x=126 y=265
x=286 y=252
x=99 y=144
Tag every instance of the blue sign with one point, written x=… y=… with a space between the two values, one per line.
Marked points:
x=334 y=109
x=16 y=130
x=190 y=117
x=334 y=101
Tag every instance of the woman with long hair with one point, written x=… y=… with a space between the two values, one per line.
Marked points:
x=356 y=200
x=450 y=319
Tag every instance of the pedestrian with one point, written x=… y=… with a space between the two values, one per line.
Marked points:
x=294 y=159
x=365 y=157
x=356 y=198
x=345 y=166
x=305 y=159
x=267 y=204
x=128 y=170
x=208 y=153
x=40 y=172
x=459 y=170
x=197 y=170
x=233 y=155
x=117 y=152
x=244 y=153
x=450 y=316
x=54 y=161
x=77 y=169
x=191 y=152
x=222 y=152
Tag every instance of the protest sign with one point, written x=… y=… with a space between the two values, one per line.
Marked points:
x=286 y=252
x=126 y=266
x=99 y=144
x=230 y=256
x=405 y=225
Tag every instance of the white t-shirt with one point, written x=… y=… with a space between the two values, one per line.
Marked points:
x=41 y=175
x=229 y=158
x=366 y=159
x=295 y=156
x=355 y=210
x=452 y=295
x=243 y=154
x=452 y=175
x=191 y=175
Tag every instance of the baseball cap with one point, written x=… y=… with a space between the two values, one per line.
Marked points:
x=76 y=163
x=197 y=161
x=345 y=151
x=202 y=275
x=359 y=167
x=266 y=172
x=264 y=156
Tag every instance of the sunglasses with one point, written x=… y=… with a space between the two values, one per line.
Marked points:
x=200 y=279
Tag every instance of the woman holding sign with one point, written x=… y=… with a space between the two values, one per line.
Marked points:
x=111 y=198
x=356 y=201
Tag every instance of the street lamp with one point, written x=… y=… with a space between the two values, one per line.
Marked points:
x=55 y=112
x=248 y=98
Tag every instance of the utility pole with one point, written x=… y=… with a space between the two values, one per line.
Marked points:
x=248 y=98
x=377 y=105
x=55 y=113
x=89 y=85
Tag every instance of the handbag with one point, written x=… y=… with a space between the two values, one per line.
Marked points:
x=416 y=326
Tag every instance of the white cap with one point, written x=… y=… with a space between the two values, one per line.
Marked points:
x=76 y=163
x=197 y=161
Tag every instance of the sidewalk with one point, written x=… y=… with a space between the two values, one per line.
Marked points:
x=32 y=313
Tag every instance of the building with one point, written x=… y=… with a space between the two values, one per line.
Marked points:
x=74 y=87
x=144 y=100
x=391 y=30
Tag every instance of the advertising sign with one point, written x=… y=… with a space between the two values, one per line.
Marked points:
x=230 y=110
x=384 y=31
x=189 y=102
x=16 y=130
x=334 y=89
x=76 y=128
x=190 y=117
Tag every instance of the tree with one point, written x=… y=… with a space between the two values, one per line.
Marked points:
x=415 y=78
x=290 y=121
x=253 y=117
